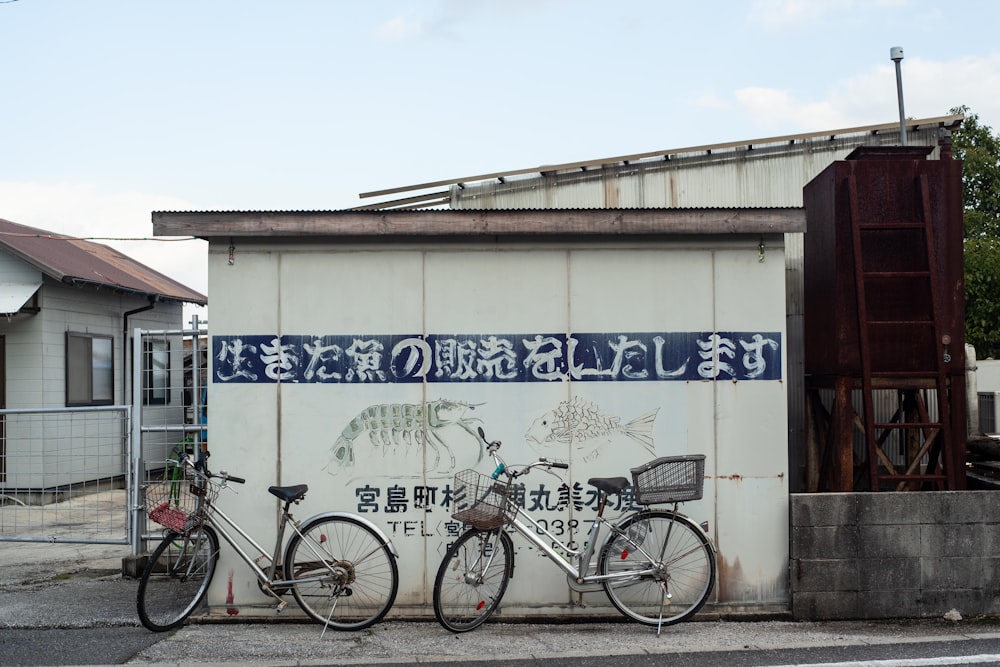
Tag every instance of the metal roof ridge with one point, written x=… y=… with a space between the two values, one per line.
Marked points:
x=948 y=121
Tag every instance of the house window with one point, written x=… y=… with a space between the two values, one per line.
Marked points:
x=90 y=369
x=155 y=372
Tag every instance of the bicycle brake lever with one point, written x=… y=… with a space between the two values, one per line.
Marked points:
x=554 y=464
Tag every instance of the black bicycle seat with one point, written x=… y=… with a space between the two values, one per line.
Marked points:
x=608 y=485
x=289 y=494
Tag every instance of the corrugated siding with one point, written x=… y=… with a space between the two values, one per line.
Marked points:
x=765 y=176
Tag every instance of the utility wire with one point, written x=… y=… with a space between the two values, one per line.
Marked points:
x=59 y=237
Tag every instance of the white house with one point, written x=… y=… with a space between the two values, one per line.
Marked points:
x=68 y=307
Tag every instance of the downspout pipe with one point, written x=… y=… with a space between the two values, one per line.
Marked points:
x=153 y=300
x=134 y=533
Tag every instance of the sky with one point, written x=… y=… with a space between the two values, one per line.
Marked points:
x=112 y=109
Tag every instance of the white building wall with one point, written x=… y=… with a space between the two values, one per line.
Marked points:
x=283 y=298
x=36 y=378
x=988 y=375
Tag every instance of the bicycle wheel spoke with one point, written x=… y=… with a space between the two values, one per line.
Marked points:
x=175 y=581
x=345 y=577
x=472 y=579
x=681 y=581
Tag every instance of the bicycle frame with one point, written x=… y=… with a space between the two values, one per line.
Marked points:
x=578 y=572
x=218 y=519
x=265 y=577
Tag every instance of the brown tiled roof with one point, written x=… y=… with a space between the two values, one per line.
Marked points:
x=76 y=261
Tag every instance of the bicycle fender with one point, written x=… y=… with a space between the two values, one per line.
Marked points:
x=354 y=517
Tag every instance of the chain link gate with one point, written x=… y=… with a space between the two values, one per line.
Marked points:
x=170 y=399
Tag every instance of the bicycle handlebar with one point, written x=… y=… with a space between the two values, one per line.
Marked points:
x=503 y=468
x=229 y=478
x=201 y=465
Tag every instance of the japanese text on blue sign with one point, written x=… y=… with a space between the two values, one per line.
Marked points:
x=616 y=357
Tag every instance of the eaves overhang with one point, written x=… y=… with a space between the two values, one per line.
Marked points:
x=473 y=223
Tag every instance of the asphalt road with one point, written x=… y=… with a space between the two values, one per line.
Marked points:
x=69 y=605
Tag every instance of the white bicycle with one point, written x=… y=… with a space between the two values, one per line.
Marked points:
x=341 y=569
x=656 y=566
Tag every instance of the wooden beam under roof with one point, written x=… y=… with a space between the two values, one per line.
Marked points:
x=454 y=223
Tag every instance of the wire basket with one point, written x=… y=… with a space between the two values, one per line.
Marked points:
x=174 y=503
x=481 y=501
x=669 y=479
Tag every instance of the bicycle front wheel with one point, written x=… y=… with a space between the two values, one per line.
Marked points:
x=472 y=579
x=684 y=576
x=176 y=578
x=344 y=575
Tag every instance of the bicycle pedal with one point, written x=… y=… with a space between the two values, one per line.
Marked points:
x=280 y=607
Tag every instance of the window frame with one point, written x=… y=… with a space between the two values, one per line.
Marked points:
x=81 y=391
x=153 y=394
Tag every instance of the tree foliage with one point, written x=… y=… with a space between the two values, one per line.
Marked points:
x=979 y=149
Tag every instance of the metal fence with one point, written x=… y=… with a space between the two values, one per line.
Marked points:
x=172 y=414
x=77 y=475
x=64 y=474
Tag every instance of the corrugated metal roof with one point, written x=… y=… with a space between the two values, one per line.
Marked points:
x=75 y=261
x=711 y=151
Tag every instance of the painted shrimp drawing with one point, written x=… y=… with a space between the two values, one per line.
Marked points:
x=407 y=440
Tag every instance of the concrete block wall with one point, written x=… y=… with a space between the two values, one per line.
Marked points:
x=894 y=555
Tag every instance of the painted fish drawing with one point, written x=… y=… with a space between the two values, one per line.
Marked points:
x=589 y=429
x=400 y=438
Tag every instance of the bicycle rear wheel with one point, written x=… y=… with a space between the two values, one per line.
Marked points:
x=345 y=576
x=176 y=578
x=686 y=573
x=472 y=579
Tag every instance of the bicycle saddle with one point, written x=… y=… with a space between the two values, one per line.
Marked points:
x=608 y=485
x=289 y=494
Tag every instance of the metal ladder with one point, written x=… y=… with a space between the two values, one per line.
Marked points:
x=883 y=315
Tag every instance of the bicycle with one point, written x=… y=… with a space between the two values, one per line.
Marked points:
x=340 y=568
x=657 y=566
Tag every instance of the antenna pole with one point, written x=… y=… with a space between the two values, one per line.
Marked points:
x=896 y=55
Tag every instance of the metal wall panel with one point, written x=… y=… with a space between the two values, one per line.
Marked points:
x=764 y=176
x=289 y=423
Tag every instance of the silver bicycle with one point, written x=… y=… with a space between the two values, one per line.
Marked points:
x=657 y=566
x=340 y=568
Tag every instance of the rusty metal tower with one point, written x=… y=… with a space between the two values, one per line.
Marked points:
x=884 y=321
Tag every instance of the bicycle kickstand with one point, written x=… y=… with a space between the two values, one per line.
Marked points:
x=664 y=596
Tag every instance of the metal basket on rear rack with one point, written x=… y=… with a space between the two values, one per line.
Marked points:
x=173 y=503
x=480 y=501
x=669 y=479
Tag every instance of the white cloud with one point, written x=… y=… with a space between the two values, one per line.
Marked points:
x=400 y=28
x=83 y=210
x=783 y=14
x=772 y=108
x=929 y=89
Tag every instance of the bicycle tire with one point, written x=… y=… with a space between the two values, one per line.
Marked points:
x=472 y=579
x=364 y=587
x=688 y=568
x=176 y=578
